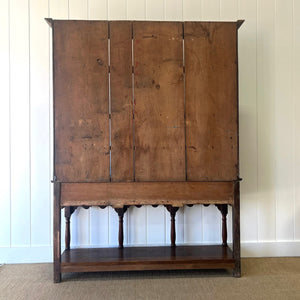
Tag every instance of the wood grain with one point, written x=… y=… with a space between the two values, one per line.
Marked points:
x=146 y=193
x=159 y=101
x=81 y=101
x=147 y=258
x=121 y=101
x=211 y=100
x=57 y=232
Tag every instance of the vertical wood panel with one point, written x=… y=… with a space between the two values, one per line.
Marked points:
x=136 y=10
x=210 y=95
x=5 y=125
x=284 y=120
x=159 y=103
x=154 y=9
x=121 y=101
x=117 y=9
x=39 y=119
x=266 y=122
x=248 y=119
x=81 y=57
x=97 y=9
x=173 y=10
x=191 y=10
x=98 y=231
x=296 y=93
x=20 y=123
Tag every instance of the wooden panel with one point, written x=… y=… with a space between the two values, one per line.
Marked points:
x=139 y=193
x=121 y=101
x=211 y=101
x=159 y=101
x=81 y=101
x=147 y=258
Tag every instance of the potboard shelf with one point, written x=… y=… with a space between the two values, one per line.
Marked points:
x=147 y=258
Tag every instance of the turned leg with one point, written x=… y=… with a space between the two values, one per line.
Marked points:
x=68 y=212
x=172 y=210
x=67 y=230
x=236 y=230
x=56 y=233
x=120 y=212
x=223 y=208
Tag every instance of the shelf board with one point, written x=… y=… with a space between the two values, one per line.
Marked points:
x=147 y=258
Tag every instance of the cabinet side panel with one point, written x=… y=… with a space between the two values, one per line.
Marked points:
x=211 y=101
x=81 y=101
x=121 y=101
x=159 y=101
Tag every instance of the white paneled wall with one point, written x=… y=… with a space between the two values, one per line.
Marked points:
x=269 y=75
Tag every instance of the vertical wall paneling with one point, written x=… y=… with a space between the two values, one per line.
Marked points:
x=229 y=9
x=59 y=9
x=97 y=9
x=266 y=119
x=210 y=10
x=137 y=220
x=39 y=120
x=173 y=10
x=284 y=120
x=136 y=10
x=78 y=9
x=193 y=219
x=154 y=9
x=296 y=93
x=248 y=118
x=117 y=9
x=191 y=10
x=5 y=125
x=20 y=123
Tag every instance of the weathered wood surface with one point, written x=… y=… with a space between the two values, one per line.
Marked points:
x=57 y=232
x=159 y=101
x=81 y=101
x=211 y=100
x=146 y=193
x=121 y=101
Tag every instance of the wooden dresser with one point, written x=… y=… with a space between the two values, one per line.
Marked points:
x=145 y=113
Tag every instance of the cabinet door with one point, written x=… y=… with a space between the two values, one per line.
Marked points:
x=211 y=98
x=81 y=101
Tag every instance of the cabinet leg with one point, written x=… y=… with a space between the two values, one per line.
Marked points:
x=223 y=208
x=236 y=230
x=56 y=233
x=120 y=212
x=68 y=212
x=172 y=210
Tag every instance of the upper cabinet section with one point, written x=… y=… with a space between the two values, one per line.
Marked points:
x=145 y=101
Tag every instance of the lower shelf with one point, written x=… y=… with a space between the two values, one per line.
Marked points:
x=147 y=258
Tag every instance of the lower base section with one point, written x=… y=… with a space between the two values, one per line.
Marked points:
x=147 y=258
